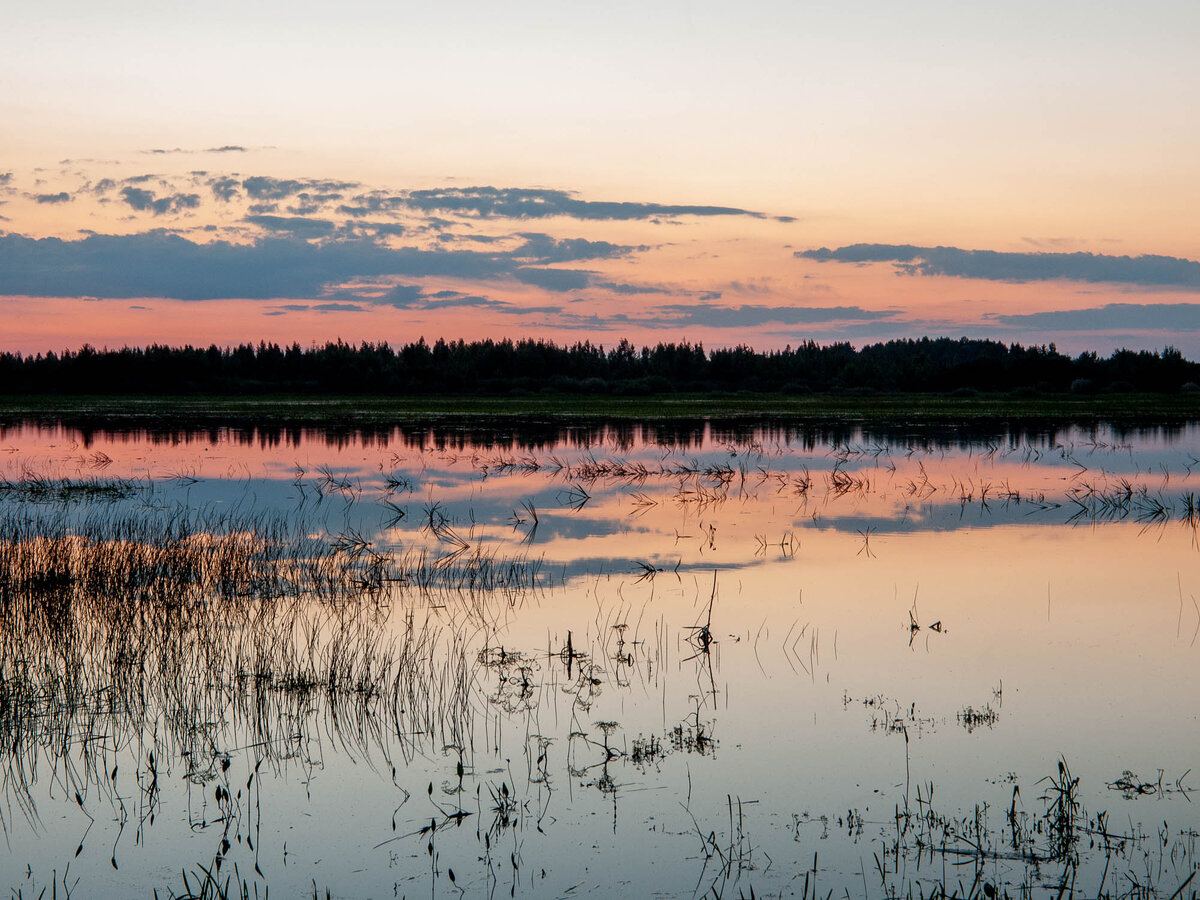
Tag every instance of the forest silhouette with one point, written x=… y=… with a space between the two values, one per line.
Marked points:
x=505 y=367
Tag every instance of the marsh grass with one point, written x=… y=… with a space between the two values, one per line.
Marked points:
x=33 y=487
x=205 y=883
x=187 y=636
x=157 y=631
x=1060 y=851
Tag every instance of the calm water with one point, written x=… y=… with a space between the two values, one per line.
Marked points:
x=601 y=661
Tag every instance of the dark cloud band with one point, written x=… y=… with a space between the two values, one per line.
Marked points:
x=536 y=203
x=992 y=265
x=1112 y=316
x=159 y=264
x=146 y=201
x=749 y=316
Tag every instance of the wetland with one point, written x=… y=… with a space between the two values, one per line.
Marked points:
x=688 y=657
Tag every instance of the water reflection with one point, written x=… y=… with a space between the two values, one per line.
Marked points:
x=492 y=433
x=684 y=660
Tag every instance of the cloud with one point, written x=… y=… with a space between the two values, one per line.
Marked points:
x=299 y=226
x=333 y=306
x=390 y=228
x=5 y=178
x=228 y=148
x=543 y=248
x=263 y=187
x=447 y=237
x=481 y=202
x=403 y=296
x=411 y=296
x=224 y=189
x=177 y=202
x=146 y=201
x=159 y=264
x=537 y=203
x=1138 y=316
x=886 y=329
x=137 y=198
x=827 y=320
x=477 y=301
x=369 y=204
x=308 y=203
x=746 y=316
x=617 y=287
x=338 y=307
x=1144 y=271
x=60 y=197
x=552 y=279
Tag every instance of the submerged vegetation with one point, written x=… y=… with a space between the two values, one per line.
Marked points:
x=504 y=668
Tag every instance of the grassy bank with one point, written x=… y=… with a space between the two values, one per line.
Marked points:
x=306 y=410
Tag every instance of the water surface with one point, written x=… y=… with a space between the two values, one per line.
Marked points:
x=615 y=660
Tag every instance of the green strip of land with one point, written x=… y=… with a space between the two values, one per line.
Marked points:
x=308 y=410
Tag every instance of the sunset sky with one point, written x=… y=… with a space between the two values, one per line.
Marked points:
x=762 y=173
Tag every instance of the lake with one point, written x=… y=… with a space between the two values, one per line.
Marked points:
x=620 y=659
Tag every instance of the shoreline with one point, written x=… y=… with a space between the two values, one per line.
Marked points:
x=266 y=409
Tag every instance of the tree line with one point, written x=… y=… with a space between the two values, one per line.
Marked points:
x=925 y=365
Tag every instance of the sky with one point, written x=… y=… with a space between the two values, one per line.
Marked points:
x=763 y=174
